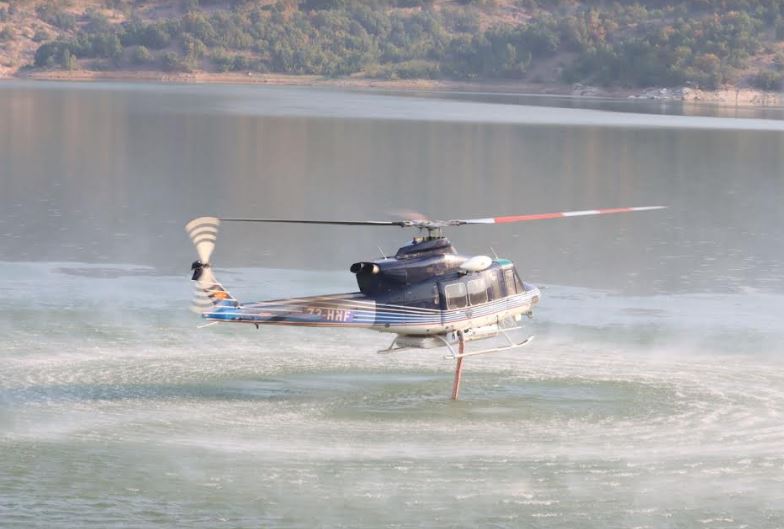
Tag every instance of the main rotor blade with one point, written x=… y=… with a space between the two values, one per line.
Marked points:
x=545 y=216
x=401 y=223
x=438 y=224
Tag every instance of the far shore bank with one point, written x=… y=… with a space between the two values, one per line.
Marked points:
x=730 y=95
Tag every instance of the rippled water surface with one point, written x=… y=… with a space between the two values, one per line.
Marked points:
x=652 y=395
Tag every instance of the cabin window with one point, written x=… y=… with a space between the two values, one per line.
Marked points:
x=494 y=279
x=455 y=296
x=509 y=280
x=518 y=284
x=477 y=291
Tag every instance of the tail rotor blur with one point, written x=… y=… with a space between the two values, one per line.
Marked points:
x=203 y=231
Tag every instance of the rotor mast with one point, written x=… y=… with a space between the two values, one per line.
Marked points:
x=433 y=232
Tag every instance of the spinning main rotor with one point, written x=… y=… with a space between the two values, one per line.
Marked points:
x=434 y=227
x=203 y=231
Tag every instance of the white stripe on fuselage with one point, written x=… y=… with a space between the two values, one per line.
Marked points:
x=394 y=318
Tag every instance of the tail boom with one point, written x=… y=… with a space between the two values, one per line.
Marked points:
x=340 y=310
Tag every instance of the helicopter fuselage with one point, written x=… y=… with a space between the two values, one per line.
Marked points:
x=426 y=289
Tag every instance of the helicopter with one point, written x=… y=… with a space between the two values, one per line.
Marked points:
x=427 y=294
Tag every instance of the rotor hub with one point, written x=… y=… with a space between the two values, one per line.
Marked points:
x=198 y=269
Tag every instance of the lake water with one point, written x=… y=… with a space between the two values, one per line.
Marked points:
x=653 y=395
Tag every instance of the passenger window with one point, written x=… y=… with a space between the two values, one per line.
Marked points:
x=455 y=296
x=477 y=291
x=494 y=279
x=509 y=279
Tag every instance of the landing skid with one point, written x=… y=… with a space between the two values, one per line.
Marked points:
x=460 y=353
x=511 y=345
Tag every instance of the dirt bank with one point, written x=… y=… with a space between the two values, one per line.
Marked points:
x=733 y=96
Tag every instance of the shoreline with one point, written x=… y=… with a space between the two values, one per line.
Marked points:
x=729 y=96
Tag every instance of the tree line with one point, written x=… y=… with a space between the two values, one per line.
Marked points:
x=703 y=43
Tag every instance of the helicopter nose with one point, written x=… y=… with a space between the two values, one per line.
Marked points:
x=534 y=290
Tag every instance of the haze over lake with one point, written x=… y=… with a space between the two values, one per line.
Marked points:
x=651 y=397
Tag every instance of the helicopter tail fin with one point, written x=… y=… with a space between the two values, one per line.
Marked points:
x=209 y=293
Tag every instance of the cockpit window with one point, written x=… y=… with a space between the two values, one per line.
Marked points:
x=518 y=284
x=455 y=296
x=509 y=280
x=477 y=291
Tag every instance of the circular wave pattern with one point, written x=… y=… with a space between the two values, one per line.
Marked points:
x=144 y=421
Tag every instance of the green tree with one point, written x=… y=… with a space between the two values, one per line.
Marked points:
x=51 y=13
x=140 y=55
x=171 y=62
x=68 y=61
x=768 y=80
x=709 y=65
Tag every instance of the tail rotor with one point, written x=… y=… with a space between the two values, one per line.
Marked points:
x=203 y=231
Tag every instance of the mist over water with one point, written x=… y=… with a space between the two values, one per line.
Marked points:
x=652 y=395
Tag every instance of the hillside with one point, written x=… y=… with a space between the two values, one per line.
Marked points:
x=701 y=44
